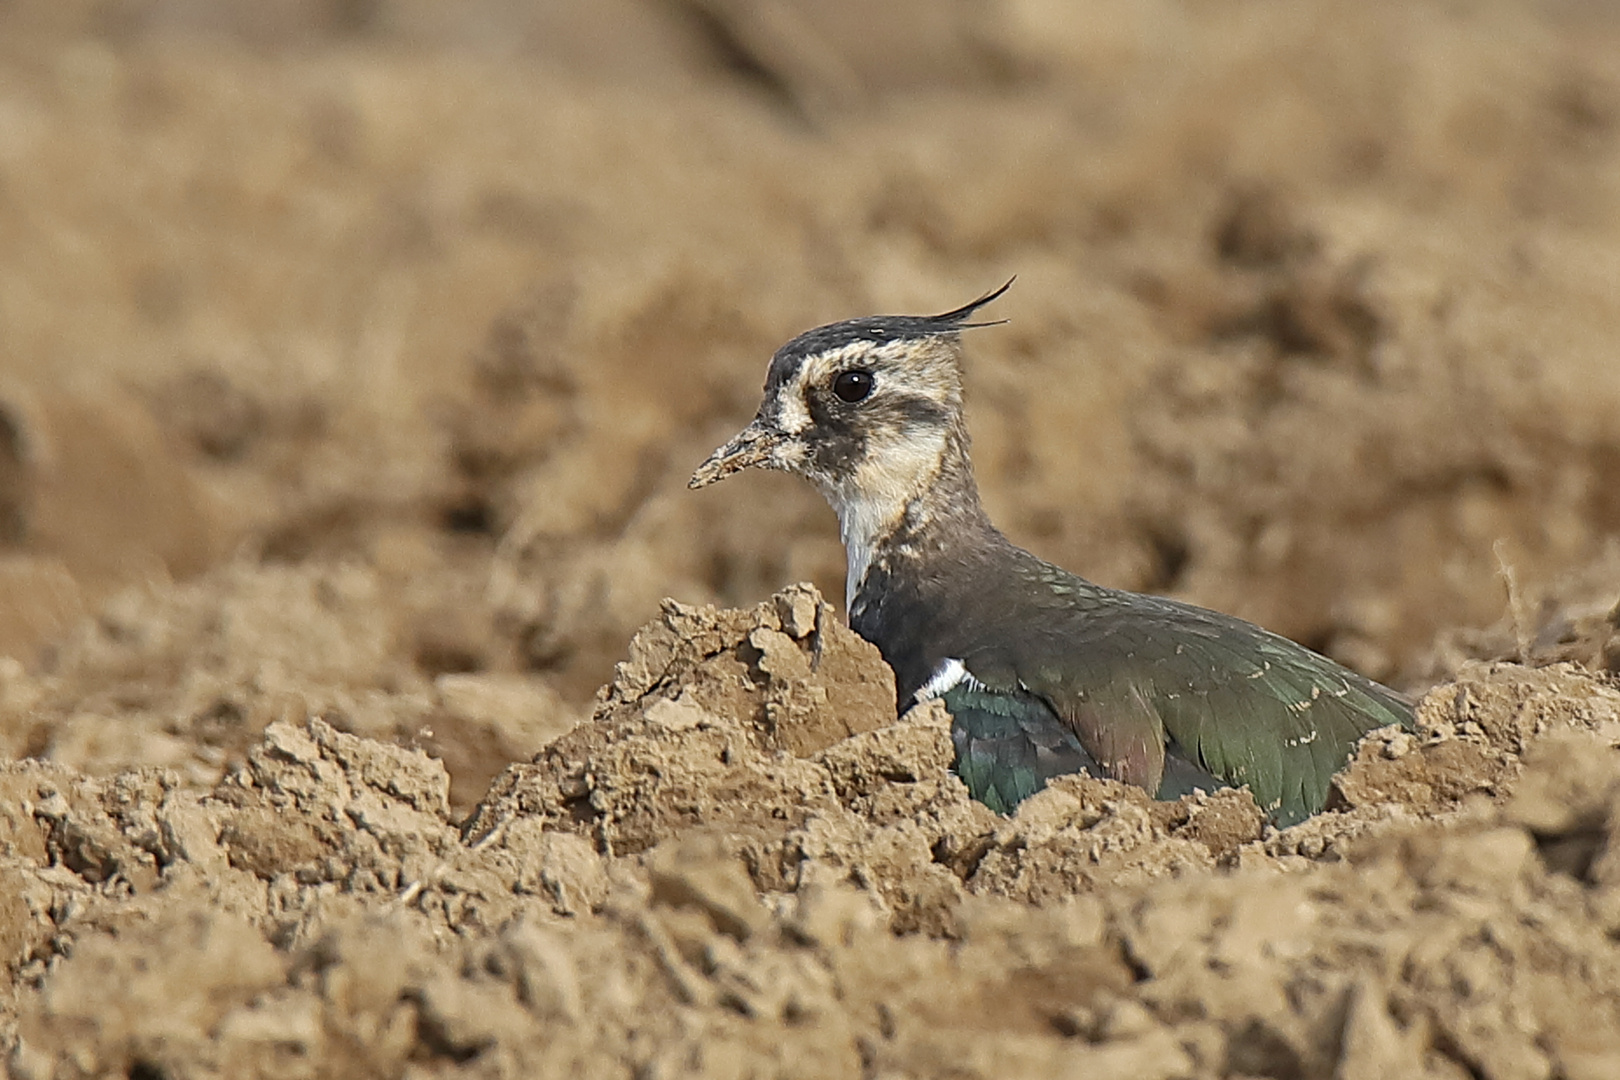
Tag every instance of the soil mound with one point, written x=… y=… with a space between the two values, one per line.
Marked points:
x=743 y=865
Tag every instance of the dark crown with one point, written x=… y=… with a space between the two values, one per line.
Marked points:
x=876 y=329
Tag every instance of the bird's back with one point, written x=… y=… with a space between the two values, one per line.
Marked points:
x=1063 y=674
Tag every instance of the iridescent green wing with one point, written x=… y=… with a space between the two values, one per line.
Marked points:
x=1009 y=744
x=1131 y=675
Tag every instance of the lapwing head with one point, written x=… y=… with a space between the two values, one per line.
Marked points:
x=864 y=409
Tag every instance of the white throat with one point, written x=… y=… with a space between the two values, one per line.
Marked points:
x=871 y=506
x=862 y=523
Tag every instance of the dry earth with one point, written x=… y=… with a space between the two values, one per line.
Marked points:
x=353 y=356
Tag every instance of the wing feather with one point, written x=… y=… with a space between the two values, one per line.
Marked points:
x=1130 y=674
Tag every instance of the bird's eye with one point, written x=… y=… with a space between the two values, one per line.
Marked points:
x=852 y=386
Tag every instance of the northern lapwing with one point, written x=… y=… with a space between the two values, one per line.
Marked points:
x=1043 y=672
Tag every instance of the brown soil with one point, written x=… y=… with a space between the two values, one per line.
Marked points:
x=353 y=357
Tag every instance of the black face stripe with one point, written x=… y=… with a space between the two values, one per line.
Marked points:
x=828 y=414
x=840 y=435
x=885 y=409
x=911 y=410
x=837 y=439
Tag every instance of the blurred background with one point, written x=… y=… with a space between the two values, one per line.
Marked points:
x=354 y=353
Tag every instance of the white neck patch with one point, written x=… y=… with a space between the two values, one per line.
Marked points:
x=861 y=524
x=870 y=507
x=950 y=672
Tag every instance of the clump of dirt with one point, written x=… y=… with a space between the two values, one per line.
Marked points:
x=744 y=863
x=188 y=677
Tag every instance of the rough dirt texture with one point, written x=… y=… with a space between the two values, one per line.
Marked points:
x=353 y=357
x=742 y=865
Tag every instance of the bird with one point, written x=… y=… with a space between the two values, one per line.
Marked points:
x=1043 y=672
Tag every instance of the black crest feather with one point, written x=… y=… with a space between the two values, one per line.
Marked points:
x=955 y=320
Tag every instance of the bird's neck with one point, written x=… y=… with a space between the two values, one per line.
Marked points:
x=914 y=510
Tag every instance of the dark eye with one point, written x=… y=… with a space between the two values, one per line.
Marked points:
x=852 y=386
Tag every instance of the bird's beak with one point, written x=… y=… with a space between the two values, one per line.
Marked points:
x=751 y=447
